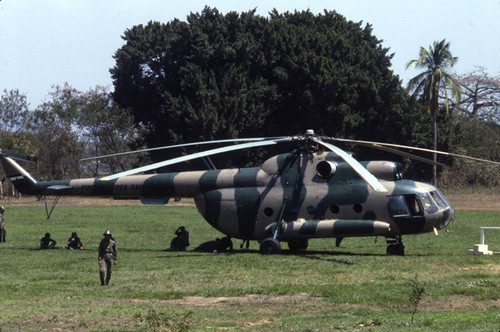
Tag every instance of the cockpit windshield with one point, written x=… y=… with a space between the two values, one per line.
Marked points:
x=439 y=199
x=428 y=203
x=417 y=204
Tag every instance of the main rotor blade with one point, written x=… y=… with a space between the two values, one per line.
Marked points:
x=369 y=143
x=358 y=168
x=18 y=156
x=195 y=156
x=254 y=139
x=404 y=154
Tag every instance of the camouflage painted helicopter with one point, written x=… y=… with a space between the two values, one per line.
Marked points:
x=293 y=197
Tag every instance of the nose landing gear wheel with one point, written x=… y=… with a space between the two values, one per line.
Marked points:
x=395 y=247
x=270 y=246
x=396 y=250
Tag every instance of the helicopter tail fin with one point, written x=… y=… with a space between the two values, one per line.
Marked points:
x=20 y=178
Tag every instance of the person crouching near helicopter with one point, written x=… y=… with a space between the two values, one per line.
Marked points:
x=47 y=243
x=107 y=257
x=181 y=240
x=74 y=242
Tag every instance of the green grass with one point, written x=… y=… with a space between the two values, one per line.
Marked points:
x=355 y=287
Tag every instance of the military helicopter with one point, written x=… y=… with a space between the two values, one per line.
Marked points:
x=293 y=197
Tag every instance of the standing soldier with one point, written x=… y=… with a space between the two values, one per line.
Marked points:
x=107 y=254
x=2 y=225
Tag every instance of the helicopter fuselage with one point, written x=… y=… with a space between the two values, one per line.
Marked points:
x=298 y=195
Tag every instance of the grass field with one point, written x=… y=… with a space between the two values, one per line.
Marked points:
x=355 y=287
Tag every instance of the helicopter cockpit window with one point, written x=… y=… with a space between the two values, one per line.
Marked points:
x=439 y=200
x=429 y=205
x=404 y=206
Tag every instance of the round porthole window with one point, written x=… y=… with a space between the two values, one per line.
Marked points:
x=268 y=211
x=334 y=208
x=358 y=208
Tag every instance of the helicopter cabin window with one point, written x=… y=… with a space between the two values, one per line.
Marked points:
x=404 y=206
x=358 y=208
x=334 y=208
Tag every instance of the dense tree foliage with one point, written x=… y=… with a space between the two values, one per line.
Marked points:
x=241 y=75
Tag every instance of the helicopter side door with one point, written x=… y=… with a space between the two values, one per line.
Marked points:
x=407 y=212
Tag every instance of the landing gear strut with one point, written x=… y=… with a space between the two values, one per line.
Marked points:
x=395 y=246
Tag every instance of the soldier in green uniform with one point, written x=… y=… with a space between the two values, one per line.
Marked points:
x=107 y=257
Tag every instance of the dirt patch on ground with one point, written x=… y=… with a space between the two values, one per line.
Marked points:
x=475 y=202
x=303 y=301
x=229 y=301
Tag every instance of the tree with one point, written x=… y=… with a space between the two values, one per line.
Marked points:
x=14 y=117
x=242 y=75
x=479 y=113
x=106 y=129
x=59 y=148
x=72 y=125
x=194 y=81
x=436 y=60
x=480 y=98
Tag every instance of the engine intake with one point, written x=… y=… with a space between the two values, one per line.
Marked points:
x=326 y=169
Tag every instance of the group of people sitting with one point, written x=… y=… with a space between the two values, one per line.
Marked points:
x=74 y=242
x=181 y=243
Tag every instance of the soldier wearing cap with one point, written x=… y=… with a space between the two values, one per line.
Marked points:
x=2 y=225
x=107 y=256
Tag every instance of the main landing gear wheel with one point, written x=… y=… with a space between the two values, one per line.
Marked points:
x=298 y=244
x=270 y=246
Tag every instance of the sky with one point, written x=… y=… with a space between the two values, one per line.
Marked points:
x=44 y=43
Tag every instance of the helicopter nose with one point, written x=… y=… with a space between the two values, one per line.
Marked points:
x=447 y=217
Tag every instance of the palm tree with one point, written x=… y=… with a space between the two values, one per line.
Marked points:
x=434 y=79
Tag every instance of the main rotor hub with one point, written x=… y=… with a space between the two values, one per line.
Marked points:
x=306 y=142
